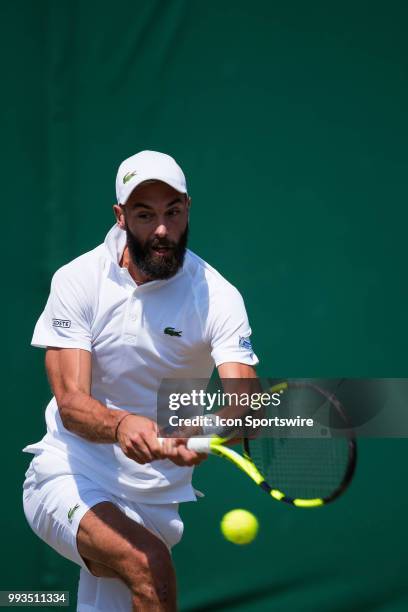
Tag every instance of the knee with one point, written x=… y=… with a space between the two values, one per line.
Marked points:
x=150 y=572
x=154 y=560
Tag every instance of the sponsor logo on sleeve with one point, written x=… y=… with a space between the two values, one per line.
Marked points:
x=246 y=344
x=61 y=323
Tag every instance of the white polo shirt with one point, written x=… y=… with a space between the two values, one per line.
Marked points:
x=95 y=305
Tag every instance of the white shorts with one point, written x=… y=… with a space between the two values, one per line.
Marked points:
x=54 y=508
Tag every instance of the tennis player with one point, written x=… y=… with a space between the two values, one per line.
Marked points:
x=137 y=309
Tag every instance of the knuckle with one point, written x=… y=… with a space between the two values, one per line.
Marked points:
x=129 y=450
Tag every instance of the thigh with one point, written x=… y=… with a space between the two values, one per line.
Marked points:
x=109 y=538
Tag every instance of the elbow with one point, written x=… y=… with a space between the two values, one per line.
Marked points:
x=65 y=404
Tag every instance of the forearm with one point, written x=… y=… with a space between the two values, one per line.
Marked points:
x=89 y=418
x=241 y=383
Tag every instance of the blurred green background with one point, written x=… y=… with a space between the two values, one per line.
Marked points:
x=290 y=121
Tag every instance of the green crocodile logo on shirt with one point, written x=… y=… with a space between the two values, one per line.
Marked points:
x=170 y=331
x=71 y=512
x=128 y=176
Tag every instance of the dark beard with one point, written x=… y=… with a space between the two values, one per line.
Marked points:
x=153 y=266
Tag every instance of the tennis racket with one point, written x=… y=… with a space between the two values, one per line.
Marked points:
x=303 y=472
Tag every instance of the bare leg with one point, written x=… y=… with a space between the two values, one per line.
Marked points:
x=115 y=546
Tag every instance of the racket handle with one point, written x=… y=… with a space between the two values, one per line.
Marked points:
x=199 y=445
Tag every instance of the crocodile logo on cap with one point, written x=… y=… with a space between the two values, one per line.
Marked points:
x=128 y=176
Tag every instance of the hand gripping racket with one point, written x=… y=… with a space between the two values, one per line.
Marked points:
x=303 y=472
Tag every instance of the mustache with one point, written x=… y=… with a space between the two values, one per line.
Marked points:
x=156 y=244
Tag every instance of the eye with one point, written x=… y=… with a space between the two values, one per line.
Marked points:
x=173 y=212
x=144 y=216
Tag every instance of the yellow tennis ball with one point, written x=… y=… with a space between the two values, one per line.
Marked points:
x=239 y=526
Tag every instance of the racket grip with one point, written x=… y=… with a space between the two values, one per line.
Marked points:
x=199 y=445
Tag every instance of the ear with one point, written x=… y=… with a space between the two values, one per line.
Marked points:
x=188 y=202
x=120 y=215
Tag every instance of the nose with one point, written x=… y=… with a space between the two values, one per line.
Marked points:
x=161 y=231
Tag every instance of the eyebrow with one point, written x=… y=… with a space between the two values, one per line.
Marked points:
x=146 y=206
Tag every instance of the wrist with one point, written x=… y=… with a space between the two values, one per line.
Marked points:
x=121 y=418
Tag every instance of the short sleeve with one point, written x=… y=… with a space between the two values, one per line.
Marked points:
x=67 y=317
x=230 y=331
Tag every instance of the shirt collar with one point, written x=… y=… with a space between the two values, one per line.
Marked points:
x=115 y=243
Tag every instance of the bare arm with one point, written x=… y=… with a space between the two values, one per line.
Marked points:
x=243 y=379
x=237 y=378
x=236 y=370
x=69 y=374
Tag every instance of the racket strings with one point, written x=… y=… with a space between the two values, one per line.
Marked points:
x=301 y=468
x=304 y=467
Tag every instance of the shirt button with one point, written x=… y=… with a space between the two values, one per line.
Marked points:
x=133 y=317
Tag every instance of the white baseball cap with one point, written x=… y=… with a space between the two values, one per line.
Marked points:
x=145 y=166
